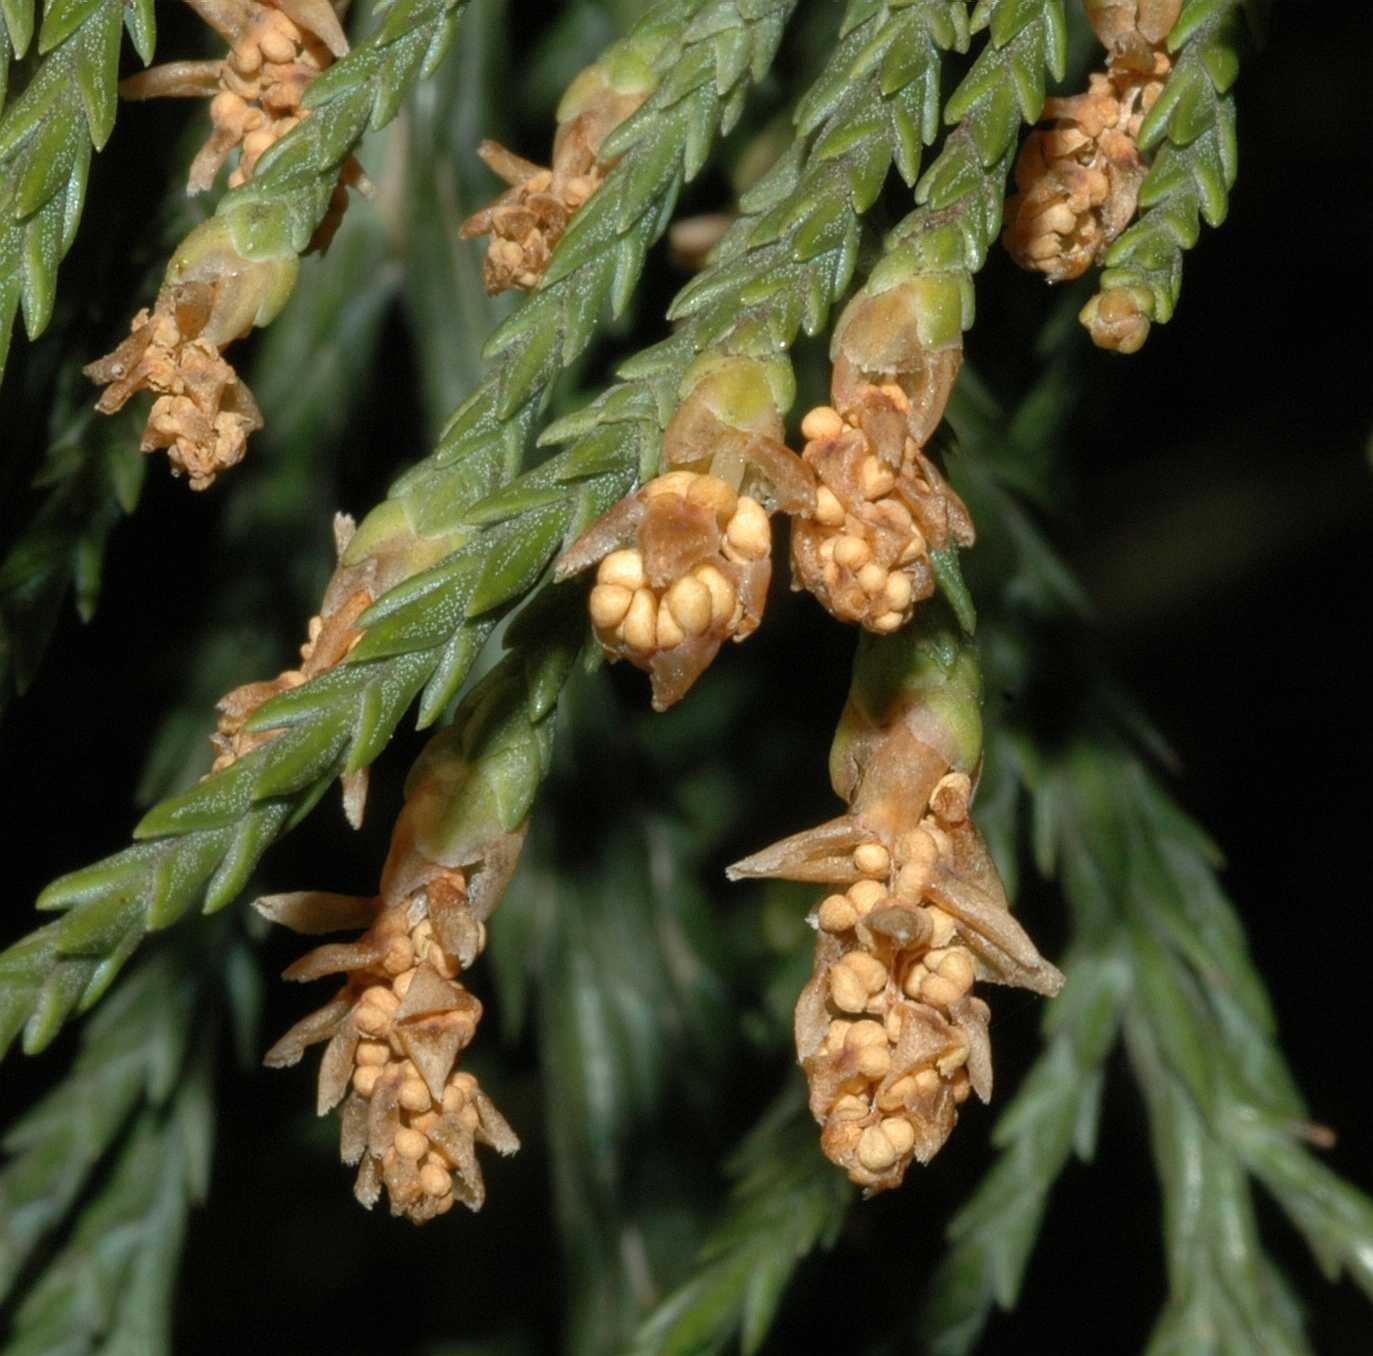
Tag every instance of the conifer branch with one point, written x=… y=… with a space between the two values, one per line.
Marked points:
x=1159 y=951
x=143 y=1076
x=1191 y=130
x=204 y=843
x=786 y=1202
x=1053 y=1117
x=92 y=477
x=46 y=138
x=278 y=210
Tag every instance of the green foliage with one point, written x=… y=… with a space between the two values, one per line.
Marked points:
x=46 y=138
x=278 y=210
x=121 y=1146
x=787 y=1200
x=649 y=1005
x=1191 y=132
x=90 y=479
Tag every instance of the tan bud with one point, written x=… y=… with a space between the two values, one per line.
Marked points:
x=668 y=633
x=927 y=1082
x=366 y=1079
x=414 y=1096
x=837 y=1034
x=411 y=1144
x=874 y=1061
x=872 y=859
x=849 y=1107
x=821 y=422
x=749 y=532
x=870 y=971
x=887 y=623
x=370 y=1019
x=625 y=568
x=847 y=991
x=866 y=895
x=872 y=579
x=895 y=1095
x=690 y=602
x=435 y=1181
x=851 y=552
x=944 y=927
x=898 y=591
x=875 y=1151
x=372 y=1052
x=836 y=914
x=723 y=597
x=828 y=510
x=674 y=482
x=950 y=1063
x=957 y=968
x=915 y=977
x=640 y=626
x=608 y=604
x=939 y=992
x=900 y=1134
x=875 y=479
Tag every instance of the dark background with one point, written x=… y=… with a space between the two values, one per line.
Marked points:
x=1218 y=512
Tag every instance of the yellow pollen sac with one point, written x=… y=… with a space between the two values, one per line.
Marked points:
x=640 y=624
x=875 y=1151
x=851 y=552
x=837 y=914
x=625 y=568
x=822 y=422
x=749 y=532
x=828 y=510
x=669 y=633
x=411 y=1144
x=608 y=605
x=691 y=603
x=872 y=859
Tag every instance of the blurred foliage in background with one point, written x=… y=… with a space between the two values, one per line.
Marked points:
x=1172 y=577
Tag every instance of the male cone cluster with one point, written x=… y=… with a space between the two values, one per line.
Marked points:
x=275 y=50
x=1078 y=178
x=411 y=1119
x=212 y=294
x=684 y=563
x=888 y=1030
x=396 y=1030
x=526 y=222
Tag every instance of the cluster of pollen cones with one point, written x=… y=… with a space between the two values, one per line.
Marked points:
x=396 y=1030
x=203 y=413
x=1078 y=177
x=890 y=1033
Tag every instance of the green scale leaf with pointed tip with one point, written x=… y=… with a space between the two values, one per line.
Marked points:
x=46 y=138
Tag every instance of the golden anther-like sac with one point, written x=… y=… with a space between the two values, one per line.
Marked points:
x=275 y=50
x=411 y=1119
x=881 y=508
x=1078 y=178
x=695 y=575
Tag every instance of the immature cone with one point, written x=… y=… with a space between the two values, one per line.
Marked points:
x=210 y=296
x=411 y=1118
x=1078 y=179
x=881 y=505
x=526 y=222
x=684 y=563
x=888 y=1030
x=276 y=50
